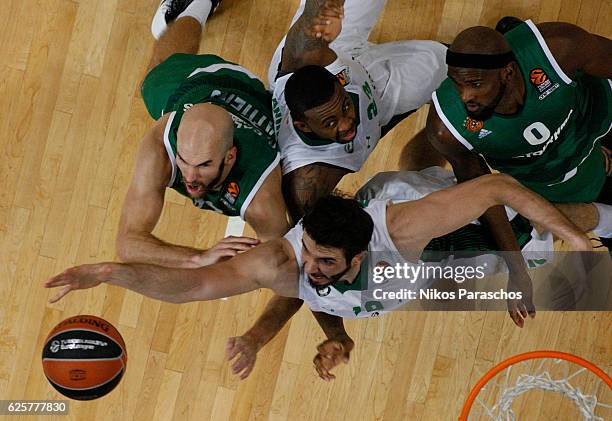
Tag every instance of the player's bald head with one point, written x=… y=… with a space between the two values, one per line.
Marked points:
x=480 y=40
x=205 y=126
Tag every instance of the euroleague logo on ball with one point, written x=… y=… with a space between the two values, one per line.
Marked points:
x=538 y=76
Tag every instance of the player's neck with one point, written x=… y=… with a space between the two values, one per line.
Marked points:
x=514 y=96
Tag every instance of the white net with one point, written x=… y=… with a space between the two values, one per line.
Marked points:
x=543 y=389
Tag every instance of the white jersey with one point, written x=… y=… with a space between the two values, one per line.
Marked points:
x=403 y=186
x=401 y=74
x=357 y=299
x=298 y=149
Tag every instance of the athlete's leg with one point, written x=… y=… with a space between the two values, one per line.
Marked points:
x=177 y=26
x=182 y=36
x=359 y=18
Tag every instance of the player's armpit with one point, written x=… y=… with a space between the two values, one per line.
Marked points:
x=303 y=186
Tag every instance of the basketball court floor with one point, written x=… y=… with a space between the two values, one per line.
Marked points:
x=72 y=118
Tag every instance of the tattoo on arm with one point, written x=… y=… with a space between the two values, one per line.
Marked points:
x=300 y=46
x=302 y=187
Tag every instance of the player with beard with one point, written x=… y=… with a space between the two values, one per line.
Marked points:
x=327 y=259
x=213 y=142
x=535 y=104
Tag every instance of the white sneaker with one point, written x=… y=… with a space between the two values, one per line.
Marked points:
x=169 y=10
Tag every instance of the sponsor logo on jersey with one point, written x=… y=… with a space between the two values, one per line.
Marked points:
x=542 y=82
x=231 y=194
x=323 y=291
x=233 y=189
x=343 y=77
x=472 y=124
x=349 y=147
x=484 y=133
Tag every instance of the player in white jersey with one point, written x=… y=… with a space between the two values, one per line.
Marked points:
x=333 y=101
x=327 y=249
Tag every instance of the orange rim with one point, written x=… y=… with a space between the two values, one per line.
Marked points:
x=528 y=356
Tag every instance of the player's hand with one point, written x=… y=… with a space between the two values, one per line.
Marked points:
x=331 y=353
x=327 y=24
x=78 y=277
x=520 y=281
x=224 y=249
x=246 y=348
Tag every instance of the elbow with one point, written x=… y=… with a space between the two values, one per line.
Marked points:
x=122 y=249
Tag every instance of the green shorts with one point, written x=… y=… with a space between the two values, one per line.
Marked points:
x=583 y=187
x=165 y=78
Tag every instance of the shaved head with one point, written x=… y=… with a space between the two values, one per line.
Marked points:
x=480 y=40
x=205 y=151
x=205 y=128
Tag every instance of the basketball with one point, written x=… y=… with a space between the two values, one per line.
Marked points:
x=84 y=357
x=538 y=76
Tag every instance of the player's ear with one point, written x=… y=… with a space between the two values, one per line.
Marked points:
x=507 y=72
x=230 y=156
x=301 y=126
x=358 y=258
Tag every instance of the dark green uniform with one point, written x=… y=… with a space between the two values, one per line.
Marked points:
x=184 y=80
x=552 y=145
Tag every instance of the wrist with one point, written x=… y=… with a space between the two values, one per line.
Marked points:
x=256 y=338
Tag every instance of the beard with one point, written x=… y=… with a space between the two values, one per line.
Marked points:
x=332 y=279
x=207 y=187
x=487 y=111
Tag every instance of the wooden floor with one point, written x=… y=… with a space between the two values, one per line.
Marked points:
x=71 y=120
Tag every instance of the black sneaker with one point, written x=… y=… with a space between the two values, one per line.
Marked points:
x=507 y=23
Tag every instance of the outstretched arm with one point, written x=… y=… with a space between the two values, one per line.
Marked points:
x=435 y=219
x=267 y=266
x=308 y=39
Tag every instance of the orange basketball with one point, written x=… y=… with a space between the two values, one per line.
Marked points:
x=84 y=357
x=537 y=76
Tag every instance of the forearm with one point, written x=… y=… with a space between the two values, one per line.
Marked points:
x=162 y=283
x=537 y=209
x=301 y=47
x=333 y=326
x=146 y=248
x=276 y=314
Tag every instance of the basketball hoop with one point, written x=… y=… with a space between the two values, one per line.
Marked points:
x=573 y=377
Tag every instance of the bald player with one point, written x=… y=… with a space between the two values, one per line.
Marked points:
x=213 y=142
x=534 y=103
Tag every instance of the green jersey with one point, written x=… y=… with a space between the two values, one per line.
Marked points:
x=552 y=144
x=184 y=80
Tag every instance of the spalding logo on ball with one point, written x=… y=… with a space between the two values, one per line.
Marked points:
x=84 y=357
